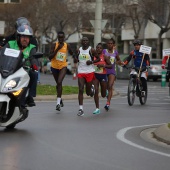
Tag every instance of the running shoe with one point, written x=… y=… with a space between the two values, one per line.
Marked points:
x=61 y=103
x=107 y=107
x=92 y=91
x=80 y=113
x=96 y=112
x=58 y=107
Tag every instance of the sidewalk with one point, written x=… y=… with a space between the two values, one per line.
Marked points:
x=162 y=133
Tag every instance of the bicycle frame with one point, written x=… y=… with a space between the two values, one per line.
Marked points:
x=135 y=87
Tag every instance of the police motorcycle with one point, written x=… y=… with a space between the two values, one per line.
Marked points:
x=14 y=81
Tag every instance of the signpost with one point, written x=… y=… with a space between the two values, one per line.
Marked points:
x=166 y=52
x=145 y=50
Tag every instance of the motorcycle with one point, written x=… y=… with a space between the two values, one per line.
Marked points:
x=14 y=80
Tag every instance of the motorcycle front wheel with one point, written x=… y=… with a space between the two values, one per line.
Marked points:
x=12 y=126
x=131 y=92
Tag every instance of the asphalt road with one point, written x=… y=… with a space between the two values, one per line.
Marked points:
x=113 y=140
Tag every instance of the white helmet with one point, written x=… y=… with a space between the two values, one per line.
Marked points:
x=25 y=30
x=21 y=21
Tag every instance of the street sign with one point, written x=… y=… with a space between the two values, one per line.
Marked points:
x=103 y=23
x=166 y=52
x=145 y=49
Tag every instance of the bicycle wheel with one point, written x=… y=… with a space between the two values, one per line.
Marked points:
x=131 y=92
x=143 y=98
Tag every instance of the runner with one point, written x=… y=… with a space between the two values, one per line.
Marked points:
x=100 y=76
x=86 y=70
x=112 y=53
x=58 y=57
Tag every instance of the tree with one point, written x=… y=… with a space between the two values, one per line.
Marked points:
x=158 y=12
x=46 y=17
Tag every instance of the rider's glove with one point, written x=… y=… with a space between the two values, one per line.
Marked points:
x=163 y=66
x=34 y=67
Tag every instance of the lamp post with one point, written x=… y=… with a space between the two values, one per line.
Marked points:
x=98 y=22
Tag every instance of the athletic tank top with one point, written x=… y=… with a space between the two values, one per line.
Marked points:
x=102 y=61
x=112 y=60
x=59 y=61
x=83 y=57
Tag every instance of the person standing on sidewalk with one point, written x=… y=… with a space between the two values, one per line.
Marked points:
x=58 y=58
x=85 y=59
x=113 y=55
x=100 y=76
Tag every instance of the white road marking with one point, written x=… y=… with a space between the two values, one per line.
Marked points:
x=121 y=136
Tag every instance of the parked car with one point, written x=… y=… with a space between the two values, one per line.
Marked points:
x=155 y=72
x=69 y=67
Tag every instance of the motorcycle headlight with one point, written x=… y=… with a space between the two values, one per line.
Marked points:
x=11 y=84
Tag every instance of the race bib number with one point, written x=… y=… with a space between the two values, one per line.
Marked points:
x=112 y=60
x=61 y=56
x=84 y=57
x=98 y=70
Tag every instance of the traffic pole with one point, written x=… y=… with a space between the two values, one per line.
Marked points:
x=98 y=23
x=163 y=79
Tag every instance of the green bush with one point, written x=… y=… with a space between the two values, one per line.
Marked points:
x=169 y=125
x=51 y=90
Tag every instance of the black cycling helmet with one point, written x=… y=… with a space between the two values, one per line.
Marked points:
x=139 y=42
x=21 y=21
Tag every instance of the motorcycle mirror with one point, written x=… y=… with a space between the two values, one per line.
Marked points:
x=38 y=55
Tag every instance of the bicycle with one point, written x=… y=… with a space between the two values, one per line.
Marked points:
x=135 y=87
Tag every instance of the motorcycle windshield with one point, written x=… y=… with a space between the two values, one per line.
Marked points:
x=10 y=61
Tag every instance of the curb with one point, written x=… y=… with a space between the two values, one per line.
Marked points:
x=162 y=133
x=64 y=97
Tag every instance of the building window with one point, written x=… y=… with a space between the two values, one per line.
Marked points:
x=15 y=1
x=10 y=1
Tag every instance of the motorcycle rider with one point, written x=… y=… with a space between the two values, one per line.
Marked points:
x=137 y=57
x=20 y=21
x=22 y=42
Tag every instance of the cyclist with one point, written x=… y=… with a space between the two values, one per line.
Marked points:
x=100 y=76
x=164 y=60
x=137 y=61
